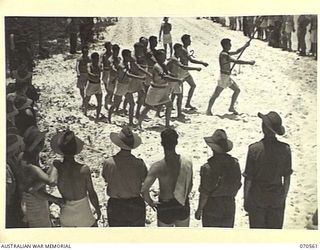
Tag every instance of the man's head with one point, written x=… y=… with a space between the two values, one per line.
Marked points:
x=153 y=41
x=85 y=50
x=95 y=57
x=126 y=54
x=166 y=19
x=108 y=46
x=144 y=41
x=177 y=48
x=160 y=55
x=138 y=49
x=169 y=139
x=115 y=49
x=186 y=39
x=226 y=44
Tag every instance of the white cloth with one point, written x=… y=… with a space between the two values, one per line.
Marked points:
x=184 y=181
x=37 y=211
x=225 y=81
x=77 y=214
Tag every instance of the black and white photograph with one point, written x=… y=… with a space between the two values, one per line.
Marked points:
x=165 y=121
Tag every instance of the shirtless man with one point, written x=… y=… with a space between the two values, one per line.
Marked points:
x=74 y=183
x=106 y=73
x=82 y=71
x=122 y=85
x=138 y=66
x=151 y=61
x=175 y=66
x=225 y=81
x=167 y=39
x=174 y=173
x=114 y=62
x=185 y=58
x=93 y=86
x=158 y=93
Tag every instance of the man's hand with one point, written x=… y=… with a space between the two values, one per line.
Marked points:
x=252 y=62
x=154 y=205
x=205 y=64
x=198 y=214
x=198 y=69
x=247 y=44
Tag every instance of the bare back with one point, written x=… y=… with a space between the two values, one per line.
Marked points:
x=72 y=180
x=184 y=58
x=167 y=172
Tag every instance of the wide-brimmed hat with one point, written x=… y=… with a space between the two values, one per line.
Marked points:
x=32 y=137
x=14 y=142
x=66 y=143
x=126 y=139
x=273 y=121
x=219 y=141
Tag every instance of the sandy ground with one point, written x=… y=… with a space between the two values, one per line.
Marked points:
x=279 y=81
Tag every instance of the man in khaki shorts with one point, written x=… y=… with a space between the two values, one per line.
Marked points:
x=106 y=72
x=225 y=81
x=93 y=86
x=175 y=67
x=82 y=72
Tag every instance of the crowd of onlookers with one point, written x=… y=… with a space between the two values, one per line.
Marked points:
x=277 y=30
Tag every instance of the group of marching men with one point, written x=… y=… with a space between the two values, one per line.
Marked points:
x=143 y=72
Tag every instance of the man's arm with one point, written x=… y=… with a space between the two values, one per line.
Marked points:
x=141 y=69
x=145 y=190
x=192 y=60
x=239 y=50
x=241 y=61
x=202 y=202
x=185 y=67
x=160 y=32
x=92 y=193
x=77 y=68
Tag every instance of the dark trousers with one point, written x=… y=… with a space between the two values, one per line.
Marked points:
x=302 y=40
x=219 y=212
x=73 y=43
x=129 y=212
x=266 y=217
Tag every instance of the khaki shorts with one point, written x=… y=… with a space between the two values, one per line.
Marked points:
x=225 y=81
x=93 y=89
x=121 y=89
x=167 y=38
x=157 y=96
x=176 y=88
x=82 y=80
x=135 y=85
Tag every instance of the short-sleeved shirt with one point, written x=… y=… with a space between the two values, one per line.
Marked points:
x=220 y=176
x=224 y=62
x=267 y=162
x=124 y=174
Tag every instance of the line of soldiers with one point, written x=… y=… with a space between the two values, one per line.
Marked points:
x=143 y=72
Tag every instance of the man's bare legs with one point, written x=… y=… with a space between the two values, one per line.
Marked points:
x=168 y=113
x=99 y=105
x=213 y=98
x=82 y=96
x=86 y=104
x=170 y=45
x=143 y=115
x=236 y=92
x=140 y=102
x=130 y=100
x=117 y=99
x=192 y=85
x=165 y=48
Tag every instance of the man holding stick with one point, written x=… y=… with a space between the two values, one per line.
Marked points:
x=225 y=80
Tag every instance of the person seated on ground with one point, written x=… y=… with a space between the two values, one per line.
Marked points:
x=124 y=174
x=14 y=213
x=174 y=173
x=74 y=183
x=34 y=178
